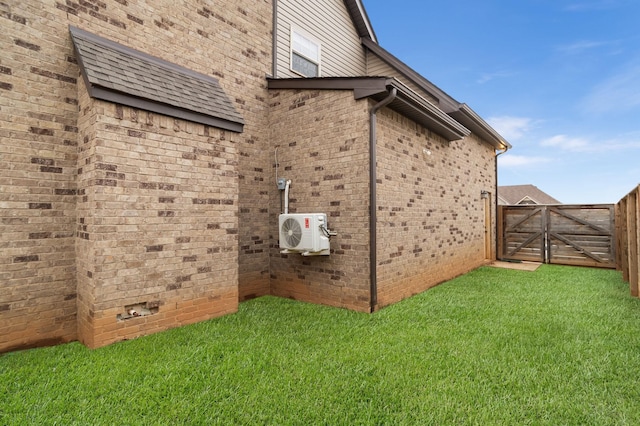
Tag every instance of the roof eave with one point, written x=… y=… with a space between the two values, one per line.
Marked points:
x=407 y=102
x=121 y=98
x=462 y=113
x=427 y=113
x=445 y=101
x=360 y=19
x=361 y=86
x=470 y=119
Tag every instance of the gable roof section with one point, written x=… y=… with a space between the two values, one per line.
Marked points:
x=360 y=19
x=407 y=102
x=116 y=73
x=459 y=111
x=515 y=194
x=444 y=100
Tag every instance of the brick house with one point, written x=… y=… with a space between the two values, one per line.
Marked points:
x=140 y=146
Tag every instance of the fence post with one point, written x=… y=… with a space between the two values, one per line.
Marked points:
x=623 y=238
x=633 y=231
x=546 y=241
x=500 y=233
x=628 y=239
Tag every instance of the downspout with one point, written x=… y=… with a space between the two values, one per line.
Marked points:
x=373 y=216
x=274 y=43
x=504 y=149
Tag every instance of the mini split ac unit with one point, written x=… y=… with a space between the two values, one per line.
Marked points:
x=304 y=233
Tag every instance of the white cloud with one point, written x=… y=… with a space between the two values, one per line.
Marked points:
x=592 y=5
x=580 y=46
x=581 y=144
x=619 y=92
x=511 y=128
x=486 y=77
x=566 y=143
x=509 y=160
x=620 y=144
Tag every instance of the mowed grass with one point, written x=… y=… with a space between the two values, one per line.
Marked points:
x=559 y=346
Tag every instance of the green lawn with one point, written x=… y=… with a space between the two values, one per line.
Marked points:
x=559 y=346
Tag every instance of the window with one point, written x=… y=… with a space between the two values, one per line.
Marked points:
x=305 y=54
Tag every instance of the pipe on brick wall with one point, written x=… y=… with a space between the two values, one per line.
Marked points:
x=373 y=215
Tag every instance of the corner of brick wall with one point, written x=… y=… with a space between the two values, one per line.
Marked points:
x=161 y=226
x=38 y=137
x=322 y=140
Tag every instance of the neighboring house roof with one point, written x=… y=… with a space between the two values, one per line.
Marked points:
x=116 y=73
x=406 y=101
x=524 y=194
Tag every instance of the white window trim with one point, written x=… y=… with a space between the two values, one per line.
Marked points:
x=304 y=34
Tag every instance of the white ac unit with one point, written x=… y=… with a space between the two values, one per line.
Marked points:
x=304 y=233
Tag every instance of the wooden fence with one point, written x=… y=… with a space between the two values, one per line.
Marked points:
x=581 y=235
x=628 y=238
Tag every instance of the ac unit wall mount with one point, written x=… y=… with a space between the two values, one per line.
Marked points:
x=304 y=233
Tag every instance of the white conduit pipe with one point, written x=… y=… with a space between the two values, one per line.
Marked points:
x=286 y=197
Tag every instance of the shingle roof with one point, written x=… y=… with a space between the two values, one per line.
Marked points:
x=513 y=194
x=119 y=74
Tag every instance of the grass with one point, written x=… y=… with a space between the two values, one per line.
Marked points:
x=559 y=346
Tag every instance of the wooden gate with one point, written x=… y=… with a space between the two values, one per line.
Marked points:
x=581 y=235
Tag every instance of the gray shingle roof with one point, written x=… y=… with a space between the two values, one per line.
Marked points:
x=514 y=194
x=119 y=74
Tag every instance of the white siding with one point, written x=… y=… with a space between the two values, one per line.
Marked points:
x=329 y=22
x=376 y=67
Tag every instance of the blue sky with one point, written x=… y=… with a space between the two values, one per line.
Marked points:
x=559 y=79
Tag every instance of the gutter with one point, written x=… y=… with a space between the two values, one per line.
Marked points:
x=471 y=120
x=373 y=215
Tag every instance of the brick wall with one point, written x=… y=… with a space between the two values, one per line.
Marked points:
x=103 y=198
x=322 y=140
x=431 y=215
x=85 y=217
x=38 y=132
x=161 y=223
x=107 y=209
